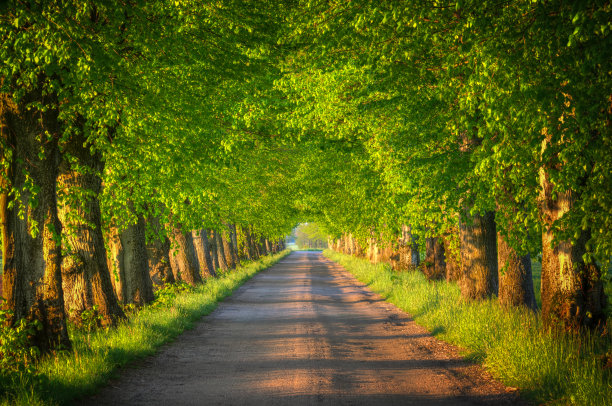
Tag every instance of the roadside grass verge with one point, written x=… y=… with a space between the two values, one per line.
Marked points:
x=97 y=356
x=547 y=368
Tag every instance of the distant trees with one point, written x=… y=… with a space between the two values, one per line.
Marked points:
x=309 y=235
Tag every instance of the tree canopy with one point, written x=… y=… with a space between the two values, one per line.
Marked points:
x=362 y=116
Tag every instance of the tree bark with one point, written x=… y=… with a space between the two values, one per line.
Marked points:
x=572 y=290
x=158 y=251
x=371 y=248
x=268 y=247
x=515 y=279
x=138 y=288
x=411 y=241
x=434 y=266
x=353 y=245
x=251 y=242
x=200 y=240
x=376 y=252
x=478 y=255
x=223 y=265
x=263 y=249
x=183 y=257
x=230 y=255
x=248 y=249
x=85 y=273
x=214 y=255
x=259 y=250
x=32 y=280
x=452 y=259
x=233 y=233
x=115 y=263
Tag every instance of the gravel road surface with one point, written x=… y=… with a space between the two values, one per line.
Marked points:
x=305 y=332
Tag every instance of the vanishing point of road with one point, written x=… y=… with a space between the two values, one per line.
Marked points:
x=305 y=332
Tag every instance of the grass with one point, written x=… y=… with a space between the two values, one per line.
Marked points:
x=536 y=273
x=97 y=356
x=511 y=344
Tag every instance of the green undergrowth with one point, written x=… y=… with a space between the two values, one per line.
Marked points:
x=511 y=344
x=97 y=355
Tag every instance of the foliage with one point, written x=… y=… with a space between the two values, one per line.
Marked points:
x=358 y=116
x=89 y=319
x=166 y=294
x=440 y=104
x=17 y=355
x=308 y=235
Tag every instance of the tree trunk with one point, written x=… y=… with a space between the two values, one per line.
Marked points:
x=434 y=266
x=268 y=247
x=354 y=245
x=214 y=255
x=370 y=254
x=411 y=241
x=32 y=280
x=233 y=233
x=478 y=255
x=386 y=251
x=572 y=290
x=376 y=252
x=404 y=249
x=200 y=241
x=223 y=265
x=85 y=273
x=452 y=259
x=230 y=255
x=515 y=280
x=183 y=257
x=138 y=288
x=243 y=244
x=259 y=249
x=251 y=243
x=158 y=251
x=115 y=263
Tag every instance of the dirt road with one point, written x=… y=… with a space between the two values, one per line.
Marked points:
x=305 y=332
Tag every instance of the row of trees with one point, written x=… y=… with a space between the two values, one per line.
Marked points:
x=308 y=235
x=123 y=128
x=479 y=130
